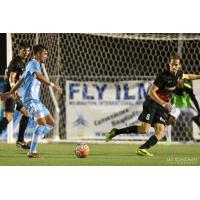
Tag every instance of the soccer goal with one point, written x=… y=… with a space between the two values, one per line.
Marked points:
x=105 y=78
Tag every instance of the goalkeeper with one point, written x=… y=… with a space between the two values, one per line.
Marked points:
x=183 y=98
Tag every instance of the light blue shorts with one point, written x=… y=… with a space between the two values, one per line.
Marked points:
x=36 y=109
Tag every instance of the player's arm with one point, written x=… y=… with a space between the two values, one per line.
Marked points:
x=17 y=85
x=46 y=81
x=12 y=79
x=5 y=96
x=152 y=92
x=191 y=76
x=193 y=97
x=10 y=94
x=14 y=69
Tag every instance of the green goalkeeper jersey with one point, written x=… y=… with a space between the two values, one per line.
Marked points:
x=181 y=98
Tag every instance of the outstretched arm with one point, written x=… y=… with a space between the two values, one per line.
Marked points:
x=193 y=97
x=46 y=81
x=191 y=76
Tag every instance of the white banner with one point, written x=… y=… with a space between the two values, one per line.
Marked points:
x=196 y=88
x=94 y=108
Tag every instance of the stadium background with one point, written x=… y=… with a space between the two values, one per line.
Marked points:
x=112 y=57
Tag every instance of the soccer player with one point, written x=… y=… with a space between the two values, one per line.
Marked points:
x=182 y=98
x=156 y=107
x=12 y=74
x=32 y=79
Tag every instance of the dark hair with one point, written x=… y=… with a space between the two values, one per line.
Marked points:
x=38 y=49
x=177 y=57
x=23 y=45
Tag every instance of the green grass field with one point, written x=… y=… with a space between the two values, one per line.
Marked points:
x=101 y=155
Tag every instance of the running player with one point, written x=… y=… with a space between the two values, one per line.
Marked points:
x=32 y=79
x=156 y=107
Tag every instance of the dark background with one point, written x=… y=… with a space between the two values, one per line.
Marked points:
x=2 y=53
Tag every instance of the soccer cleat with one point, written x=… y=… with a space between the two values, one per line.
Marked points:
x=110 y=135
x=33 y=155
x=143 y=152
x=23 y=145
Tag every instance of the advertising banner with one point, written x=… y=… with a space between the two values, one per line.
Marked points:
x=94 y=108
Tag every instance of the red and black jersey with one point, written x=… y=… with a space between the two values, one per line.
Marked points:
x=166 y=82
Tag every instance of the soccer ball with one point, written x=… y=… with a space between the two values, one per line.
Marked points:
x=82 y=150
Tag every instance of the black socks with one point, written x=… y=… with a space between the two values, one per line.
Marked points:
x=22 y=128
x=196 y=119
x=149 y=143
x=134 y=129
x=4 y=122
x=127 y=130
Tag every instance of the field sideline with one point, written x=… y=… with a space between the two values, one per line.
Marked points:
x=102 y=155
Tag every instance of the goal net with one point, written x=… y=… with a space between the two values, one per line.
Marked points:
x=118 y=60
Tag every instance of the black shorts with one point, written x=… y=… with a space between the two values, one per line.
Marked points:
x=153 y=113
x=10 y=103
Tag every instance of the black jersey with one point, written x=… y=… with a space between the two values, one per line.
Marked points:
x=166 y=82
x=16 y=65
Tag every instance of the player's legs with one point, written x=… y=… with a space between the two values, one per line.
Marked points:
x=50 y=124
x=159 y=131
x=41 y=122
x=192 y=114
x=44 y=125
x=159 y=134
x=146 y=117
x=137 y=129
x=189 y=111
x=50 y=120
x=9 y=110
x=44 y=120
x=9 y=116
x=159 y=121
x=196 y=119
x=168 y=131
x=173 y=115
x=22 y=126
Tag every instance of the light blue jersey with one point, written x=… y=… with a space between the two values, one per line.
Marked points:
x=31 y=86
x=31 y=91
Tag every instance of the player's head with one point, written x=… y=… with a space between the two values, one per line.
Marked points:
x=175 y=64
x=40 y=52
x=23 y=50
